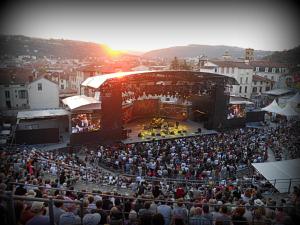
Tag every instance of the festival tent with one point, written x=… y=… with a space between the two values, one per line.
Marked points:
x=288 y=111
x=273 y=107
x=295 y=100
x=283 y=175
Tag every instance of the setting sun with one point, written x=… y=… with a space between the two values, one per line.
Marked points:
x=113 y=53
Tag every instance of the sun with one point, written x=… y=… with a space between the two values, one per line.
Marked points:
x=111 y=52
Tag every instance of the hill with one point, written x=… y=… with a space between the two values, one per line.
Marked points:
x=291 y=56
x=14 y=45
x=211 y=51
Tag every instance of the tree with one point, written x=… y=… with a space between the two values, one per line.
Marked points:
x=185 y=66
x=175 y=64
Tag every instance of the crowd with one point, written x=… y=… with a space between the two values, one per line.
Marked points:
x=217 y=196
x=201 y=157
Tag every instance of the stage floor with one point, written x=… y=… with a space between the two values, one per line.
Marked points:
x=189 y=126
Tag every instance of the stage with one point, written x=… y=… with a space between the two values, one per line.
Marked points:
x=187 y=128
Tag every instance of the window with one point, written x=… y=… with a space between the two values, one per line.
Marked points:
x=22 y=94
x=272 y=78
x=246 y=80
x=222 y=69
x=62 y=86
x=267 y=69
x=241 y=80
x=257 y=69
x=267 y=88
x=227 y=69
x=260 y=89
x=40 y=86
x=261 y=82
x=7 y=94
x=240 y=89
x=245 y=89
x=255 y=82
x=232 y=69
x=8 y=104
x=273 y=70
x=254 y=90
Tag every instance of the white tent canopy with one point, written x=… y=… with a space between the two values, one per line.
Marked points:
x=273 y=107
x=288 y=111
x=281 y=174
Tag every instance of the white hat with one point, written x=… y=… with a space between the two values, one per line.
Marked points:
x=31 y=193
x=37 y=206
x=258 y=202
x=91 y=219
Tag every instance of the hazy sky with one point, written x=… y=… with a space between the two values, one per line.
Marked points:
x=142 y=26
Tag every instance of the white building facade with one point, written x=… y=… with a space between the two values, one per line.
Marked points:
x=43 y=94
x=277 y=72
x=242 y=72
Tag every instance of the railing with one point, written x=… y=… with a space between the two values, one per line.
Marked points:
x=10 y=199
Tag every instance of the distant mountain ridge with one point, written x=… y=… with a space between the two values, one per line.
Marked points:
x=15 y=45
x=211 y=51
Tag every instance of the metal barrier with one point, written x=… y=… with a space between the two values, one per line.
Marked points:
x=10 y=198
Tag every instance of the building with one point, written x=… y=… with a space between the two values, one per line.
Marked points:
x=140 y=68
x=43 y=94
x=13 y=88
x=82 y=74
x=277 y=72
x=249 y=54
x=260 y=85
x=241 y=71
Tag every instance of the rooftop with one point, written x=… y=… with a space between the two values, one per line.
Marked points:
x=240 y=65
x=97 y=81
x=266 y=63
x=259 y=78
x=44 y=113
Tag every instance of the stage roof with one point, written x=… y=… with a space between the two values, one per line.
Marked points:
x=81 y=102
x=44 y=113
x=282 y=171
x=97 y=81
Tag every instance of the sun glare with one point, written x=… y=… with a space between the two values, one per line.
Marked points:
x=111 y=52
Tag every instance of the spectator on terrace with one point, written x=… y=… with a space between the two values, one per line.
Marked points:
x=39 y=217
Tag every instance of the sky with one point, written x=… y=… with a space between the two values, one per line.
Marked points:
x=147 y=25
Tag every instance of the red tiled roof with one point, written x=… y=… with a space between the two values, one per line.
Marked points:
x=240 y=65
x=15 y=75
x=270 y=64
x=259 y=78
